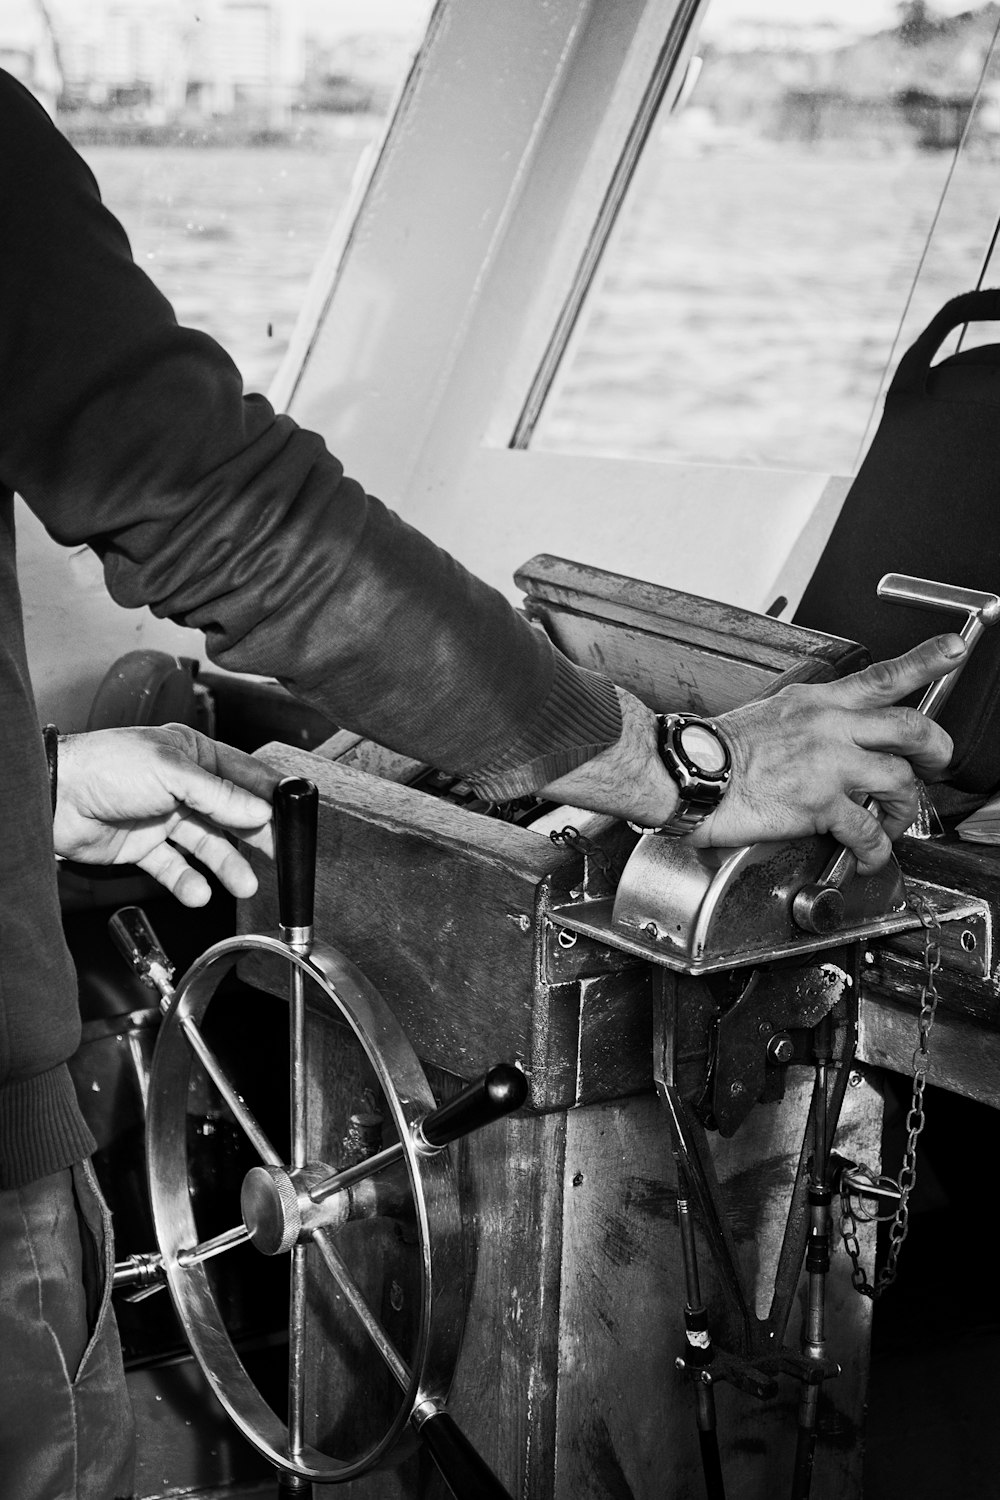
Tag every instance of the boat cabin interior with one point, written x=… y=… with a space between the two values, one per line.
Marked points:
x=502 y=1149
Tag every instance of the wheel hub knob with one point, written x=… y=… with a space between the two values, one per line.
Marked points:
x=270 y=1208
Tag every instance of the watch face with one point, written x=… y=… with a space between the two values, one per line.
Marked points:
x=703 y=749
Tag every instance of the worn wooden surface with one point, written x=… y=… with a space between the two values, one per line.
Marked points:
x=973 y=869
x=964 y=1054
x=350 y=749
x=566 y=1380
x=445 y=911
x=511 y=1181
x=626 y=1423
x=441 y=923
x=674 y=650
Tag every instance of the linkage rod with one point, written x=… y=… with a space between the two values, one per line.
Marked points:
x=817 y=1264
x=698 y=1355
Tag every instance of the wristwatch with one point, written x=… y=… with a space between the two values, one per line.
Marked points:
x=697 y=756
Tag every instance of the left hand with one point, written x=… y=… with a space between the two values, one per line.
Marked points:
x=141 y=796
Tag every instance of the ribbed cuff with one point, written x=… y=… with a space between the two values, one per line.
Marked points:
x=581 y=717
x=41 y=1128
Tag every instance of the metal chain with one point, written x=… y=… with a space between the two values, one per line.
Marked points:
x=572 y=838
x=915 y=1122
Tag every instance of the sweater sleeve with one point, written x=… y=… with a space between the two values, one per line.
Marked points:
x=127 y=432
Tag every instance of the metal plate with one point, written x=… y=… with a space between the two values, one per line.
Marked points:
x=596 y=919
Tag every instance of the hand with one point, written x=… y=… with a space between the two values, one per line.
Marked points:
x=802 y=761
x=141 y=796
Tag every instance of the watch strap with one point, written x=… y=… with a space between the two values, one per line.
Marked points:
x=696 y=800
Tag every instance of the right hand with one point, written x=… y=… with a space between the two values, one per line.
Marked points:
x=803 y=760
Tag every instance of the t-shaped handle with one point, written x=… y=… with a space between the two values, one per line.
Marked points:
x=978 y=608
x=819 y=906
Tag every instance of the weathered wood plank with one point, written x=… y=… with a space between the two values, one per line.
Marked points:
x=626 y=1423
x=351 y=749
x=667 y=676
x=964 y=1054
x=440 y=908
x=741 y=634
x=674 y=650
x=511 y=1179
x=897 y=965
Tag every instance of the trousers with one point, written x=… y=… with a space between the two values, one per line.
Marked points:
x=66 y=1427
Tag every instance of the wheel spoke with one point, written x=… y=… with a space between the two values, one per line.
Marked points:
x=338 y=1270
x=217 y=1245
x=338 y=1181
x=237 y=1104
x=297 y=1065
x=296 y=1353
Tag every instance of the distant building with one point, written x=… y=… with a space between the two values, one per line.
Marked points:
x=28 y=49
x=166 y=59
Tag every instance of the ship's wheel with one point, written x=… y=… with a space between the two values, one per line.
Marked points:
x=298 y=1207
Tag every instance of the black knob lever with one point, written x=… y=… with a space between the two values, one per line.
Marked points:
x=296 y=808
x=503 y=1089
x=463 y=1470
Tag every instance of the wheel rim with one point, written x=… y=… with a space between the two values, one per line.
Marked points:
x=338 y=990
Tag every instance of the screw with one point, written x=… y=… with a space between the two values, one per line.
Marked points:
x=652 y=931
x=968 y=941
x=736 y=1089
x=855 y=1080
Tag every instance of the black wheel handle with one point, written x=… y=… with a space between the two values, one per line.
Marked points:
x=464 y=1471
x=503 y=1089
x=296 y=809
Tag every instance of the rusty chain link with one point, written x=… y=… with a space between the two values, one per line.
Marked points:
x=915 y=1121
x=571 y=838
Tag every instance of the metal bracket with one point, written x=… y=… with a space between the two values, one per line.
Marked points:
x=965 y=920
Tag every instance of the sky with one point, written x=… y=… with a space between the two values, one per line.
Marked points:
x=333 y=16
x=858 y=15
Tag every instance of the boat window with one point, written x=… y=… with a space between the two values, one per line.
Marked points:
x=824 y=187
x=226 y=136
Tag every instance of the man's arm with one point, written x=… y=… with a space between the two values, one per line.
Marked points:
x=801 y=761
x=126 y=432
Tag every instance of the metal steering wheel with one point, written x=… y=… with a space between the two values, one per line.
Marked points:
x=289 y=1207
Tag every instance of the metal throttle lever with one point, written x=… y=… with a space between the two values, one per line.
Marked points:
x=820 y=906
x=980 y=610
